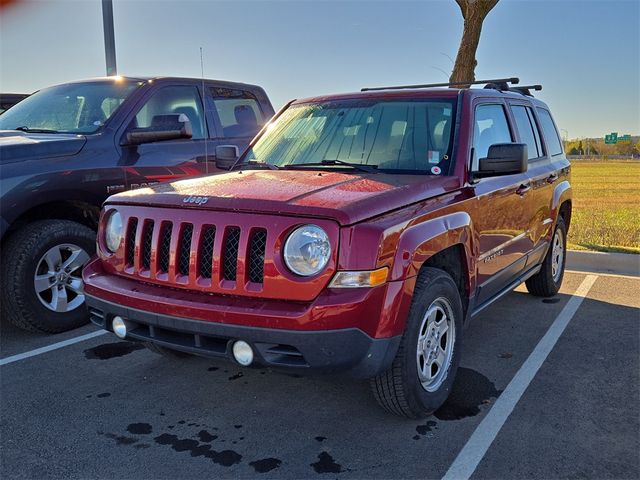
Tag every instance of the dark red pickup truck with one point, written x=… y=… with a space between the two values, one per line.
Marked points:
x=358 y=233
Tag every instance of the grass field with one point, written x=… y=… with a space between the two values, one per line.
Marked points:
x=606 y=206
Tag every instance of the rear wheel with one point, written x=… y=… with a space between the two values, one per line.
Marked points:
x=421 y=376
x=547 y=282
x=43 y=265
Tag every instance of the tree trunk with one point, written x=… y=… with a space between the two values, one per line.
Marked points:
x=474 y=13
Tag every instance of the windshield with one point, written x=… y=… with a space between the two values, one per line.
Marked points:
x=69 y=108
x=391 y=136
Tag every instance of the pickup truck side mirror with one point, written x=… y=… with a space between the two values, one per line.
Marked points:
x=226 y=156
x=503 y=159
x=163 y=127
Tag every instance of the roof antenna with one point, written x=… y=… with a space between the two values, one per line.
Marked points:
x=206 y=127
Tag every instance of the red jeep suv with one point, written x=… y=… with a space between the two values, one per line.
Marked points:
x=358 y=233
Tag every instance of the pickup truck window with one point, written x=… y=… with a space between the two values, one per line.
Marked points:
x=392 y=136
x=238 y=111
x=71 y=108
x=178 y=99
x=527 y=130
x=550 y=133
x=490 y=127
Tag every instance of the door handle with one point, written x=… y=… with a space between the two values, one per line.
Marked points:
x=524 y=188
x=552 y=178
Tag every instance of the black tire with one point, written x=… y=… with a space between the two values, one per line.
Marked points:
x=166 y=352
x=543 y=284
x=20 y=256
x=399 y=390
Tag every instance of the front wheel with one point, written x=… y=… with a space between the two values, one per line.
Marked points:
x=547 y=282
x=421 y=376
x=42 y=271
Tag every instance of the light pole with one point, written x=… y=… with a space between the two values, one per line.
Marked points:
x=109 y=37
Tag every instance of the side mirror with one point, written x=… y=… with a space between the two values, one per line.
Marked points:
x=503 y=159
x=226 y=156
x=163 y=127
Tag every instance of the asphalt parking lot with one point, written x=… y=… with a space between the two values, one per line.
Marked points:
x=102 y=408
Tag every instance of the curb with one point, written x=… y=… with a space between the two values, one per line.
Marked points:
x=600 y=262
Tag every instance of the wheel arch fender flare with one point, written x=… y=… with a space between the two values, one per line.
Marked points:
x=561 y=194
x=420 y=242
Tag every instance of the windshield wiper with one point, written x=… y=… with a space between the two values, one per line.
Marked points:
x=356 y=166
x=255 y=163
x=35 y=130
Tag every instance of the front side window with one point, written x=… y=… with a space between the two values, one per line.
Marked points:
x=173 y=100
x=394 y=136
x=238 y=111
x=490 y=127
x=71 y=108
x=550 y=133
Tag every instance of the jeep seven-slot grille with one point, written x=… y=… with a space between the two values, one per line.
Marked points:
x=185 y=249
x=197 y=241
x=206 y=251
x=257 y=247
x=147 y=235
x=165 y=247
x=131 y=241
x=230 y=257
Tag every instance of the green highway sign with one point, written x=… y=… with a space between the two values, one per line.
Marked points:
x=613 y=138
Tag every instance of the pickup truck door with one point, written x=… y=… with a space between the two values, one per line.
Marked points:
x=168 y=160
x=504 y=207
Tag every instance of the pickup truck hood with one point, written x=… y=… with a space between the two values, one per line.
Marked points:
x=345 y=197
x=16 y=145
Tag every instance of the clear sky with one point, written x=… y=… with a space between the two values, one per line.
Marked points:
x=585 y=53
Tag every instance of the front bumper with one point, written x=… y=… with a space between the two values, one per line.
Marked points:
x=347 y=350
x=353 y=331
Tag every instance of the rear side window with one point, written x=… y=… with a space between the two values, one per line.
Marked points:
x=238 y=111
x=528 y=130
x=490 y=127
x=550 y=133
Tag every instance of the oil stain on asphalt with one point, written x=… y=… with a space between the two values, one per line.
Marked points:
x=266 y=464
x=470 y=390
x=139 y=428
x=226 y=458
x=112 y=350
x=326 y=464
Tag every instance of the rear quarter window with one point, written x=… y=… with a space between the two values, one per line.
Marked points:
x=550 y=133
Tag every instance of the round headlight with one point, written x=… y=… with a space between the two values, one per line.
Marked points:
x=113 y=232
x=307 y=250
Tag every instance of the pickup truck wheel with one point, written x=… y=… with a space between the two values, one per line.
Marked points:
x=422 y=373
x=166 y=352
x=548 y=280
x=43 y=264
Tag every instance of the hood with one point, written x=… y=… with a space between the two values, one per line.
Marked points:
x=346 y=198
x=16 y=145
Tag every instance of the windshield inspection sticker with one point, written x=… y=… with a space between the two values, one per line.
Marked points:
x=433 y=156
x=436 y=170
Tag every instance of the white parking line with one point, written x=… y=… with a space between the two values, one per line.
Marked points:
x=48 y=348
x=476 y=447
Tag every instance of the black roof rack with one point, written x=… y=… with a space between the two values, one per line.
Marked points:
x=526 y=90
x=499 y=82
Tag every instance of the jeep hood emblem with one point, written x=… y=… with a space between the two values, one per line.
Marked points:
x=196 y=200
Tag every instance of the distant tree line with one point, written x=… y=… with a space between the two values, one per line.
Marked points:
x=596 y=146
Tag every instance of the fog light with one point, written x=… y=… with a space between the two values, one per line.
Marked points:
x=119 y=327
x=243 y=353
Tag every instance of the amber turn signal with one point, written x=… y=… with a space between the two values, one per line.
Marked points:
x=356 y=279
